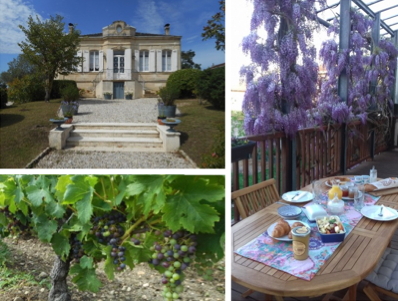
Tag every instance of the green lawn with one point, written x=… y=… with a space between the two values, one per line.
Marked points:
x=24 y=132
x=199 y=126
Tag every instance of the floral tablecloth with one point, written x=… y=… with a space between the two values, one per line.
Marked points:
x=279 y=254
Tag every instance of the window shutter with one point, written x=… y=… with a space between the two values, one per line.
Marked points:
x=109 y=59
x=137 y=60
x=127 y=61
x=159 y=61
x=86 y=62
x=151 y=60
x=174 y=60
x=79 y=67
x=101 y=60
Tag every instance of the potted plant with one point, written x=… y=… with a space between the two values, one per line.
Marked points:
x=69 y=117
x=107 y=95
x=241 y=149
x=70 y=95
x=129 y=95
x=168 y=95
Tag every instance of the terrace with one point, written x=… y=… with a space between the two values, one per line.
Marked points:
x=312 y=153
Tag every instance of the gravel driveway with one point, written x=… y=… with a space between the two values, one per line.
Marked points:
x=96 y=110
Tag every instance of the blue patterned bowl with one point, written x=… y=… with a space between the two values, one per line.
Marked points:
x=289 y=212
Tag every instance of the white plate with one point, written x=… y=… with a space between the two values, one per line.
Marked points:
x=372 y=212
x=329 y=182
x=284 y=238
x=304 y=196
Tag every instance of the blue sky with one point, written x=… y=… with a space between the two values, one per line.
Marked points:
x=186 y=19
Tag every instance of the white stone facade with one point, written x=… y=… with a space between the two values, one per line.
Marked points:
x=121 y=60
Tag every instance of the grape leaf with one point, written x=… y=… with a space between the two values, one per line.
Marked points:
x=3 y=219
x=86 y=262
x=37 y=195
x=135 y=253
x=60 y=245
x=86 y=279
x=109 y=267
x=60 y=188
x=55 y=209
x=45 y=228
x=198 y=188
x=84 y=210
x=78 y=190
x=193 y=216
x=12 y=192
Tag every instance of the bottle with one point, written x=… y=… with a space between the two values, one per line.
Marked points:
x=373 y=175
x=335 y=190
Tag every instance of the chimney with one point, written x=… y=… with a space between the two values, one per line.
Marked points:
x=71 y=27
x=167 y=29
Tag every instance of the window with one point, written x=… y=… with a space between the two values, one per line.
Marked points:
x=144 y=60
x=94 y=61
x=118 y=64
x=166 y=60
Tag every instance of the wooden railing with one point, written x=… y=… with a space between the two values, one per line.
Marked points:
x=318 y=154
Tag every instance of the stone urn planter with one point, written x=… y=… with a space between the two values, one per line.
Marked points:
x=242 y=151
x=107 y=95
x=58 y=122
x=170 y=111
x=171 y=122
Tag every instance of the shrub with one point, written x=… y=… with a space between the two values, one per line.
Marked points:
x=58 y=85
x=169 y=94
x=3 y=97
x=70 y=93
x=28 y=88
x=185 y=80
x=211 y=86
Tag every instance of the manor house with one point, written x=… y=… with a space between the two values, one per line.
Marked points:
x=120 y=60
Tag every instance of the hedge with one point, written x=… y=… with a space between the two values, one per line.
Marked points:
x=185 y=80
x=211 y=87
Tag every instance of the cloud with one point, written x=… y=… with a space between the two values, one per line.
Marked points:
x=13 y=13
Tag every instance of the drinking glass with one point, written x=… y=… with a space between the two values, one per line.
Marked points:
x=359 y=197
x=317 y=191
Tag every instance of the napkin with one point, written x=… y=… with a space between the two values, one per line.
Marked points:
x=298 y=196
x=382 y=184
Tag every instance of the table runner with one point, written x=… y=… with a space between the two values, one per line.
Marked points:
x=279 y=254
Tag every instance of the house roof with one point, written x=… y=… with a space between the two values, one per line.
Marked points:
x=140 y=34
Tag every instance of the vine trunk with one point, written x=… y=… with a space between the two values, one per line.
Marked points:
x=59 y=289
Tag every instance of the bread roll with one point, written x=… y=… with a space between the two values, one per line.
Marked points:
x=296 y=224
x=281 y=228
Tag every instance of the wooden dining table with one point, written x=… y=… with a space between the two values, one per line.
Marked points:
x=351 y=262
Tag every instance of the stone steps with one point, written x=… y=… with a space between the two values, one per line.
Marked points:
x=114 y=137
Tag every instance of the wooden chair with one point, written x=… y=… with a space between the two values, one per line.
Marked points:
x=384 y=278
x=251 y=199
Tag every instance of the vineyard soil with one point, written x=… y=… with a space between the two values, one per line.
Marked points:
x=141 y=284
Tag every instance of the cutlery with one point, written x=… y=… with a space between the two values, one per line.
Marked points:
x=381 y=210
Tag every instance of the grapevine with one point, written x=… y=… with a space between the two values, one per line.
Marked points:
x=122 y=220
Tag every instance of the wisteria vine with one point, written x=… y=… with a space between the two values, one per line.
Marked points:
x=370 y=72
x=281 y=80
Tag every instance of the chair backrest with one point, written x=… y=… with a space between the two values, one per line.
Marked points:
x=251 y=199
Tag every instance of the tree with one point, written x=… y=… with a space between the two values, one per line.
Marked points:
x=17 y=68
x=168 y=221
x=187 y=60
x=215 y=28
x=49 y=49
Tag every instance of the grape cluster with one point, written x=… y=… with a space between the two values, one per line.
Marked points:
x=108 y=230
x=174 y=253
x=77 y=251
x=15 y=226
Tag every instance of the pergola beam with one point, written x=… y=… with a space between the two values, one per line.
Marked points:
x=344 y=44
x=371 y=13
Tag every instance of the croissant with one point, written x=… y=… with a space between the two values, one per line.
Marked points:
x=281 y=228
x=296 y=224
